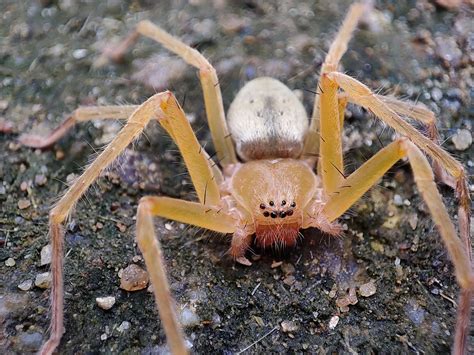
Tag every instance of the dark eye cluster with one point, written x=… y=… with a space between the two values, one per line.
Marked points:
x=278 y=213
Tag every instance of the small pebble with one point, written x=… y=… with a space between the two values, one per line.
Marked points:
x=413 y=221
x=46 y=255
x=30 y=342
x=348 y=299
x=25 y=285
x=133 y=278
x=288 y=326
x=43 y=280
x=275 y=264
x=23 y=203
x=24 y=186
x=105 y=302
x=79 y=53
x=376 y=246
x=462 y=139
x=333 y=322
x=3 y=105
x=137 y=258
x=124 y=326
x=10 y=262
x=289 y=280
x=40 y=180
x=259 y=321
x=288 y=268
x=368 y=289
x=397 y=200
x=121 y=227
x=436 y=94
x=415 y=312
x=59 y=154
x=103 y=336
x=188 y=318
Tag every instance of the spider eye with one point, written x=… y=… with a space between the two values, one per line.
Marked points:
x=271 y=203
x=273 y=215
x=262 y=206
x=283 y=203
x=266 y=214
x=282 y=214
x=293 y=204
x=289 y=213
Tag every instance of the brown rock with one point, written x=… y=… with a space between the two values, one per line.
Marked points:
x=134 y=278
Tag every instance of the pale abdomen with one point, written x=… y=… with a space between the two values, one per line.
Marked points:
x=267 y=121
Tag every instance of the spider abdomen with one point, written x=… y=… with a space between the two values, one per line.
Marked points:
x=267 y=121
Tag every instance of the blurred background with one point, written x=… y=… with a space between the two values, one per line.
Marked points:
x=296 y=300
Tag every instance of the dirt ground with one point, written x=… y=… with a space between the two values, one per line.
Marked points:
x=413 y=49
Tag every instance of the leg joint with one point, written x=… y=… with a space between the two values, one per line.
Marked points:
x=55 y=216
x=146 y=204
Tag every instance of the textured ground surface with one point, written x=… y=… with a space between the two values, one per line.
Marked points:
x=412 y=49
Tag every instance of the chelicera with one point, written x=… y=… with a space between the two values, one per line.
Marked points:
x=279 y=172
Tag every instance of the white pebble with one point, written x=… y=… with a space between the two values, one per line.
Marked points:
x=368 y=289
x=46 y=255
x=333 y=322
x=103 y=337
x=79 y=53
x=124 y=326
x=289 y=326
x=462 y=140
x=397 y=200
x=43 y=280
x=189 y=318
x=25 y=285
x=105 y=302
x=10 y=262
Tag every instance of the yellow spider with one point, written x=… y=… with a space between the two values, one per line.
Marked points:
x=277 y=175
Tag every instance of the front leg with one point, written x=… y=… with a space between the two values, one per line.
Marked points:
x=135 y=125
x=212 y=218
x=162 y=106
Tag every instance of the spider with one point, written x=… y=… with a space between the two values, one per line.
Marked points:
x=277 y=175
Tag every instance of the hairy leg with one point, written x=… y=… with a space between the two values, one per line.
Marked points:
x=420 y=113
x=79 y=115
x=208 y=76
x=363 y=96
x=370 y=172
x=178 y=210
x=331 y=63
x=331 y=164
x=163 y=107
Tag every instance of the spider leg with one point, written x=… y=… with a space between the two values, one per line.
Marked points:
x=164 y=107
x=420 y=113
x=362 y=95
x=331 y=165
x=331 y=63
x=370 y=172
x=79 y=115
x=178 y=210
x=208 y=76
